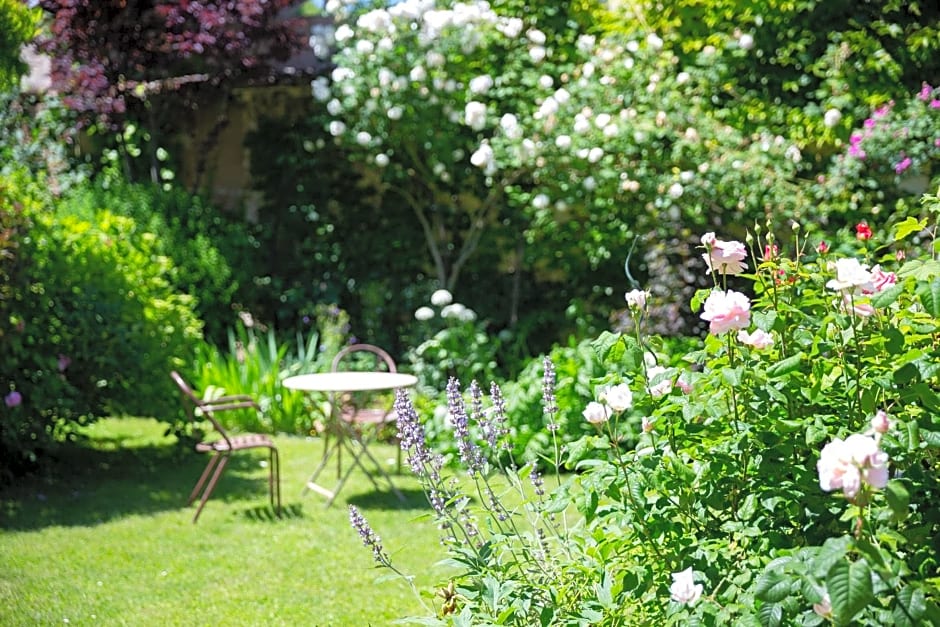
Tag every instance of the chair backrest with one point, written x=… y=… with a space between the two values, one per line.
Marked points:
x=352 y=354
x=191 y=401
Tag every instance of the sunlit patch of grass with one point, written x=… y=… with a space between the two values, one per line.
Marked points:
x=107 y=539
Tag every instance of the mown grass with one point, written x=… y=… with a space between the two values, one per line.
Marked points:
x=107 y=539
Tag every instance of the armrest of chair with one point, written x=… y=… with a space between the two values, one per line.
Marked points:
x=215 y=406
x=228 y=398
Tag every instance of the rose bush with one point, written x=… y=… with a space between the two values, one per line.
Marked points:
x=787 y=483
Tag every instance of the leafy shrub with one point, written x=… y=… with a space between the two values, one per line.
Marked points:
x=256 y=361
x=891 y=158
x=454 y=344
x=782 y=472
x=90 y=326
x=210 y=252
x=36 y=135
x=17 y=27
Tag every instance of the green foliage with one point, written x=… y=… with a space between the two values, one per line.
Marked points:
x=209 y=251
x=701 y=496
x=36 y=135
x=89 y=325
x=18 y=25
x=893 y=155
x=796 y=60
x=255 y=362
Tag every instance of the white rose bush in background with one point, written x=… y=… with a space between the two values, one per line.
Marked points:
x=415 y=97
x=786 y=475
x=486 y=123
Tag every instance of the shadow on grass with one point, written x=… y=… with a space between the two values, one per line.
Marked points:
x=265 y=513
x=386 y=499
x=88 y=484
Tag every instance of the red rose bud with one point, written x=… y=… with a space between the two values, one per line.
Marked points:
x=822 y=248
x=862 y=231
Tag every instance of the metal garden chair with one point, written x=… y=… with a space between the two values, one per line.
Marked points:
x=222 y=448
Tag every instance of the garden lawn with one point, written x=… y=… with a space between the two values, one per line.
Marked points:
x=109 y=540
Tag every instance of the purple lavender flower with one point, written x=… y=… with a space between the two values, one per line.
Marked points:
x=412 y=439
x=13 y=399
x=369 y=537
x=499 y=417
x=548 y=393
x=538 y=484
x=469 y=452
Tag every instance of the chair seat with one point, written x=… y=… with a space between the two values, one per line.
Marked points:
x=370 y=416
x=239 y=442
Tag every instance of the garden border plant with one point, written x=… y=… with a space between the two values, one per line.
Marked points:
x=783 y=473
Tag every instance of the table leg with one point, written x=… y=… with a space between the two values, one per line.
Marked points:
x=311 y=482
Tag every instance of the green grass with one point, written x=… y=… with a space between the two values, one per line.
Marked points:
x=107 y=539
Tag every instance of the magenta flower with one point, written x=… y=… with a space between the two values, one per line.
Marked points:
x=13 y=399
x=855 y=146
x=64 y=361
x=925 y=92
x=902 y=165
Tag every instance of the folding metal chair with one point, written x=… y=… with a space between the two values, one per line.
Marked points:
x=221 y=449
x=359 y=412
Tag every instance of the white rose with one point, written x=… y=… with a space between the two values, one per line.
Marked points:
x=618 y=397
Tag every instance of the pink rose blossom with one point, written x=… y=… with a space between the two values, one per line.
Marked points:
x=726 y=311
x=646 y=424
x=724 y=257
x=661 y=388
x=849 y=463
x=824 y=607
x=859 y=305
x=882 y=280
x=880 y=424
x=759 y=339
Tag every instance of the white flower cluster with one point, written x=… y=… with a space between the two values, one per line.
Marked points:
x=449 y=309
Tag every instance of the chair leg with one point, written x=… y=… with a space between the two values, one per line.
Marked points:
x=213 y=460
x=223 y=460
x=274 y=480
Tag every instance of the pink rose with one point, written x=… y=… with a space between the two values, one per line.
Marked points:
x=882 y=280
x=849 y=463
x=824 y=607
x=880 y=423
x=724 y=257
x=860 y=305
x=759 y=339
x=726 y=311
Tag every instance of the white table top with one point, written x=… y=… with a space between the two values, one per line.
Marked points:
x=349 y=381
